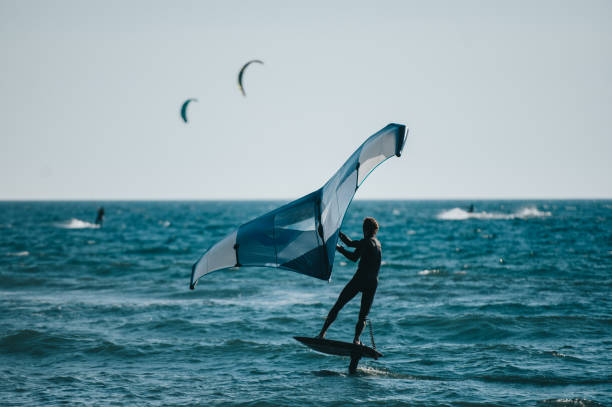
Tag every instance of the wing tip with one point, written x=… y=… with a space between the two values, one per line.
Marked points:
x=192 y=283
x=401 y=139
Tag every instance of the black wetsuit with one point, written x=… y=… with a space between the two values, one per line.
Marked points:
x=365 y=280
x=100 y=217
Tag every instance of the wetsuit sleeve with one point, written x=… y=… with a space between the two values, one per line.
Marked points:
x=353 y=256
x=347 y=240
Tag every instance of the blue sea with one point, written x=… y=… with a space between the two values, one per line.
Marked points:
x=508 y=305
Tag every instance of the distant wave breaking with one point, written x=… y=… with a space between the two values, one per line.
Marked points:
x=428 y=272
x=577 y=402
x=462 y=214
x=19 y=254
x=75 y=223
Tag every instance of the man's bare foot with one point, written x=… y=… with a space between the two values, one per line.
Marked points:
x=321 y=335
x=357 y=342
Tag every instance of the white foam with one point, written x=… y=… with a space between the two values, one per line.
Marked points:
x=75 y=223
x=373 y=371
x=524 y=213
x=19 y=254
x=532 y=212
x=429 y=272
x=577 y=402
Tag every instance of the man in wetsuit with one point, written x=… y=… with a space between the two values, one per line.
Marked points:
x=365 y=279
x=100 y=217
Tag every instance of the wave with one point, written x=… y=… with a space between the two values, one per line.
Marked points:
x=569 y=403
x=236 y=346
x=42 y=344
x=367 y=370
x=566 y=357
x=440 y=273
x=19 y=254
x=462 y=214
x=75 y=223
x=154 y=250
x=428 y=272
x=13 y=281
x=524 y=377
x=108 y=348
x=29 y=341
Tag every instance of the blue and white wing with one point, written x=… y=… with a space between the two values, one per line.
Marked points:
x=301 y=236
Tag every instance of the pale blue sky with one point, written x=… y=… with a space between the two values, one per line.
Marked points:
x=507 y=99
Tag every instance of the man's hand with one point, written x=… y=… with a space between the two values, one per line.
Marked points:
x=338 y=247
x=342 y=235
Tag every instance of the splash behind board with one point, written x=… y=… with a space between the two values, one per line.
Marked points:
x=339 y=348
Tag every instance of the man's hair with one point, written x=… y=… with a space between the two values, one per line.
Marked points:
x=370 y=226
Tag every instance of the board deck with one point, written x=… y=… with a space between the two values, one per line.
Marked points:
x=339 y=348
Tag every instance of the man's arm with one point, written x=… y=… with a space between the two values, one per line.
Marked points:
x=347 y=241
x=352 y=256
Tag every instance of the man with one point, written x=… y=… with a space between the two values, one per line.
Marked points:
x=365 y=279
x=100 y=217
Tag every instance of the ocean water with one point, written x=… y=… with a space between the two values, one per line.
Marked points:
x=509 y=305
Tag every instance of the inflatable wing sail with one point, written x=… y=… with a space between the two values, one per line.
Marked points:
x=301 y=236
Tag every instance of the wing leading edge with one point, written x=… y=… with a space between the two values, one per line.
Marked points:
x=301 y=236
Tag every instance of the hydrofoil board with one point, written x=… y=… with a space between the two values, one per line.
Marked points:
x=339 y=348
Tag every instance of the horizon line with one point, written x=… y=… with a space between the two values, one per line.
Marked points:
x=602 y=198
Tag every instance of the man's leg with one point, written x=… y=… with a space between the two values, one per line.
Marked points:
x=347 y=294
x=367 y=297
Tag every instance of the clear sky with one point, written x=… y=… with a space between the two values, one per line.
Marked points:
x=504 y=99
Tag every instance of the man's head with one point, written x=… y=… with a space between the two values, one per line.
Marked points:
x=370 y=227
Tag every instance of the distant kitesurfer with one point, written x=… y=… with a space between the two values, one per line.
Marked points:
x=365 y=279
x=100 y=217
x=471 y=208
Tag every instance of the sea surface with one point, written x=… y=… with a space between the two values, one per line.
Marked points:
x=508 y=305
